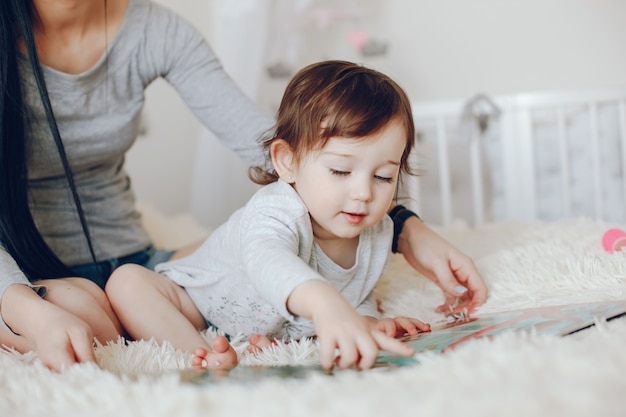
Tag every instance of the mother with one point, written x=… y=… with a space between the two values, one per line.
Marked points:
x=72 y=81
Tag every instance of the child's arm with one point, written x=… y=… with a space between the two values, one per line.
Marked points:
x=339 y=326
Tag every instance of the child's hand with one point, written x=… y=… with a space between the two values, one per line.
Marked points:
x=339 y=327
x=400 y=326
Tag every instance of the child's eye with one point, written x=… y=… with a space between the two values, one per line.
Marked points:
x=383 y=179
x=338 y=172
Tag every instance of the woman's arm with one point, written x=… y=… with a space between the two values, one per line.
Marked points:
x=438 y=260
x=179 y=52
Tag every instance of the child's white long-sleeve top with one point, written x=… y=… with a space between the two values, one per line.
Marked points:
x=241 y=276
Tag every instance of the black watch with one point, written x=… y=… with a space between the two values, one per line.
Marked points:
x=399 y=214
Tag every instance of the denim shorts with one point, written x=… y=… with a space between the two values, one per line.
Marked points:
x=100 y=272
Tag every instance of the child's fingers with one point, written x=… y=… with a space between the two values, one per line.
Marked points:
x=361 y=351
x=348 y=356
x=367 y=361
x=419 y=325
x=387 y=326
x=368 y=352
x=408 y=325
x=392 y=345
x=405 y=325
x=327 y=353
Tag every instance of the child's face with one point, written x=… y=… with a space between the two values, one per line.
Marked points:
x=348 y=185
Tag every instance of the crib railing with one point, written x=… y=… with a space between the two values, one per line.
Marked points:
x=539 y=156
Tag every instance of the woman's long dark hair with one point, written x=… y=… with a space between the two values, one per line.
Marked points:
x=18 y=233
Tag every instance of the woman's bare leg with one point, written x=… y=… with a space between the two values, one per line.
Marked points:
x=151 y=306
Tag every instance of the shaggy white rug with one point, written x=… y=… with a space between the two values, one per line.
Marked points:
x=516 y=374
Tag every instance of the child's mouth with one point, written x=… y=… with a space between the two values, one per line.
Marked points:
x=354 y=218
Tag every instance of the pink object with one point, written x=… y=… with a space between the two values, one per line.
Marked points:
x=357 y=39
x=613 y=240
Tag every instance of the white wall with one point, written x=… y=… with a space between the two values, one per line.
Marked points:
x=220 y=182
x=451 y=49
x=177 y=165
x=438 y=50
x=160 y=162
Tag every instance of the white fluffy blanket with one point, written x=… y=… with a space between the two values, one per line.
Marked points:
x=516 y=374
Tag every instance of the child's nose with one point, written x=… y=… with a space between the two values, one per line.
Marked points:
x=362 y=190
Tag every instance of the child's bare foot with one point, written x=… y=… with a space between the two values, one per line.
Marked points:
x=258 y=342
x=223 y=356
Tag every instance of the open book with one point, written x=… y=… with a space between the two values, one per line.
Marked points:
x=560 y=320
x=447 y=334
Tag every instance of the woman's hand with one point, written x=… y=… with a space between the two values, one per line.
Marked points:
x=346 y=338
x=439 y=261
x=60 y=338
x=63 y=340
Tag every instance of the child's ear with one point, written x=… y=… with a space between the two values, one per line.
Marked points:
x=283 y=160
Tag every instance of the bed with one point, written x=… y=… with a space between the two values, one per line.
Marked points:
x=526 y=185
x=533 y=156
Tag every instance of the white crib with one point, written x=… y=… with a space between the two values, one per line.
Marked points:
x=537 y=156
